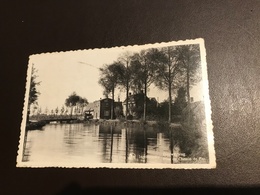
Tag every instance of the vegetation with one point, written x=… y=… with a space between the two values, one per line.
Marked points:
x=33 y=93
x=142 y=69
x=193 y=134
x=189 y=58
x=126 y=59
x=138 y=110
x=75 y=100
x=169 y=68
x=180 y=101
x=111 y=77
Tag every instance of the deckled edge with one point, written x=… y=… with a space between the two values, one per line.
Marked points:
x=207 y=103
x=208 y=112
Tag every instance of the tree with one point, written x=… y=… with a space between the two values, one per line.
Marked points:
x=111 y=76
x=72 y=101
x=125 y=59
x=189 y=58
x=57 y=110
x=142 y=70
x=180 y=101
x=62 y=110
x=33 y=93
x=162 y=110
x=75 y=100
x=169 y=72
x=82 y=103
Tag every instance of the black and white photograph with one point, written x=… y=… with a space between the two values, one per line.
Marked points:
x=140 y=106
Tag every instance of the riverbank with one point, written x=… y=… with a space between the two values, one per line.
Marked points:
x=133 y=122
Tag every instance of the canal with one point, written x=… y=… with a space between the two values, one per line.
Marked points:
x=97 y=143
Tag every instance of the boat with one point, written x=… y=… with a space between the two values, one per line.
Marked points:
x=34 y=125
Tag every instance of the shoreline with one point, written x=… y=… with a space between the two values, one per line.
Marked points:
x=132 y=122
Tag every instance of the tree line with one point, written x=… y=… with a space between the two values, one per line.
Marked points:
x=168 y=68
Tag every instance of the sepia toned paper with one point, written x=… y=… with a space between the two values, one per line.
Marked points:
x=141 y=106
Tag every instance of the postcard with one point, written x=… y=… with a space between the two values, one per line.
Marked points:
x=137 y=107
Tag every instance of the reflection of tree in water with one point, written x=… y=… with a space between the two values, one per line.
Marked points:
x=136 y=140
x=138 y=143
x=191 y=138
x=71 y=136
x=106 y=135
x=186 y=141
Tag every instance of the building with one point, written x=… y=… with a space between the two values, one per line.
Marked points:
x=101 y=109
x=136 y=105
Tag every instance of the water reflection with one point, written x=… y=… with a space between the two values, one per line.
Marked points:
x=93 y=143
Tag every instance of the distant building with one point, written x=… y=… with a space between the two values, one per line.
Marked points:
x=101 y=109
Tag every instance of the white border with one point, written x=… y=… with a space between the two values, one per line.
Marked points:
x=209 y=125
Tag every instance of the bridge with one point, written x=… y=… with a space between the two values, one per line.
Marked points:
x=55 y=118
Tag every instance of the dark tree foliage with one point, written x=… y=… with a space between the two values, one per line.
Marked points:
x=34 y=93
x=193 y=134
x=75 y=100
x=138 y=109
x=142 y=71
x=152 y=106
x=163 y=110
x=180 y=101
x=72 y=100
x=139 y=105
x=126 y=59
x=111 y=77
x=169 y=68
x=169 y=73
x=189 y=58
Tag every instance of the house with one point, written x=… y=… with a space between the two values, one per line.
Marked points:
x=101 y=109
x=136 y=105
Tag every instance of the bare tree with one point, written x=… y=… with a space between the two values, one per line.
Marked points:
x=126 y=59
x=142 y=70
x=169 y=72
x=189 y=57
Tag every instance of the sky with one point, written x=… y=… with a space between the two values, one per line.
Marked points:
x=61 y=73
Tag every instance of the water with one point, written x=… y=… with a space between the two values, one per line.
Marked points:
x=93 y=143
